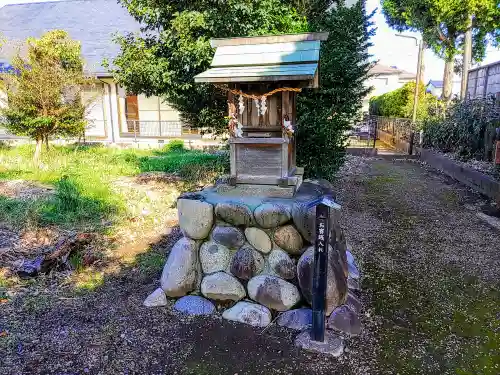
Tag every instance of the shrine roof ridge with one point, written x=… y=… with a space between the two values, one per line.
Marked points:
x=268 y=39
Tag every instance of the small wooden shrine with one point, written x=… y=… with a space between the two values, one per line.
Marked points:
x=263 y=76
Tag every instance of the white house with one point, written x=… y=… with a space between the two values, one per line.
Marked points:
x=384 y=79
x=435 y=88
x=113 y=115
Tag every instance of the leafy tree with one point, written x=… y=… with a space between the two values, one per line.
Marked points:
x=324 y=115
x=399 y=103
x=175 y=46
x=43 y=93
x=443 y=24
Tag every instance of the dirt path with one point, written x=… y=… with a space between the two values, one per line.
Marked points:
x=431 y=291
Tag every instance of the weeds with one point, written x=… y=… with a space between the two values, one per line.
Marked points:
x=83 y=177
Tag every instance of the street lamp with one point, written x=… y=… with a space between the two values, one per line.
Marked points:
x=420 y=44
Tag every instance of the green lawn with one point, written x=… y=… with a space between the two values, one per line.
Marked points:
x=83 y=179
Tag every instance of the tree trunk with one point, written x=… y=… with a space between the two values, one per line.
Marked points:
x=422 y=68
x=47 y=142
x=448 y=80
x=38 y=150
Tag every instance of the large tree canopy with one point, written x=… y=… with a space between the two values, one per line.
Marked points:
x=174 y=47
x=443 y=24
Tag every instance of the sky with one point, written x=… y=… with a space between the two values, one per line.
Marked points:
x=403 y=53
x=388 y=49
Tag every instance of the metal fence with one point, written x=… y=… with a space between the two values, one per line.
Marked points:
x=158 y=129
x=363 y=134
x=399 y=133
x=136 y=129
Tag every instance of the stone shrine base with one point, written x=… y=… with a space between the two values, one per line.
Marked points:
x=249 y=256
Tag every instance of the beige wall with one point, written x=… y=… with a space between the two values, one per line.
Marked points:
x=93 y=98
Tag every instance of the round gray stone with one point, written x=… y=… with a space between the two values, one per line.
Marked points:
x=246 y=263
x=272 y=215
x=345 y=320
x=214 y=257
x=353 y=271
x=249 y=313
x=298 y=319
x=221 y=286
x=195 y=218
x=289 y=239
x=353 y=302
x=353 y=284
x=180 y=274
x=259 y=239
x=333 y=345
x=194 y=305
x=304 y=218
x=230 y=237
x=281 y=264
x=336 y=291
x=157 y=298
x=273 y=292
x=233 y=213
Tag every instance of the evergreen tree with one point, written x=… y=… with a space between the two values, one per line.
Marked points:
x=174 y=47
x=326 y=114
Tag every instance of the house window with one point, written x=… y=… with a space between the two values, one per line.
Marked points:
x=132 y=112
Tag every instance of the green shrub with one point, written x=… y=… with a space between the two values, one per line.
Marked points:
x=175 y=145
x=467 y=128
x=399 y=103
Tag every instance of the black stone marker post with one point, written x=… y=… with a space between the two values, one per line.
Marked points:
x=320 y=272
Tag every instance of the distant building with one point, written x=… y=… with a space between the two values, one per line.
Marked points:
x=114 y=115
x=435 y=88
x=384 y=79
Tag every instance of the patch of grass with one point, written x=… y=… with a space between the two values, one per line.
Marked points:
x=456 y=318
x=88 y=281
x=450 y=197
x=83 y=177
x=20 y=212
x=185 y=163
x=150 y=262
x=35 y=303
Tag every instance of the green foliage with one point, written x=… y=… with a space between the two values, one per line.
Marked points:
x=84 y=180
x=399 y=103
x=44 y=94
x=324 y=115
x=164 y=63
x=467 y=128
x=188 y=165
x=175 y=145
x=444 y=23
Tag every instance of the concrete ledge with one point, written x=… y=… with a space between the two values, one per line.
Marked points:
x=468 y=176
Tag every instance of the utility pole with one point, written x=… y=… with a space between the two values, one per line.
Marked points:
x=467 y=58
x=420 y=44
x=419 y=70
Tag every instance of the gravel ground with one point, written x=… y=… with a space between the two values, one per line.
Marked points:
x=430 y=289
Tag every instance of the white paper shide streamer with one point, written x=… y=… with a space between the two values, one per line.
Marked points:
x=241 y=104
